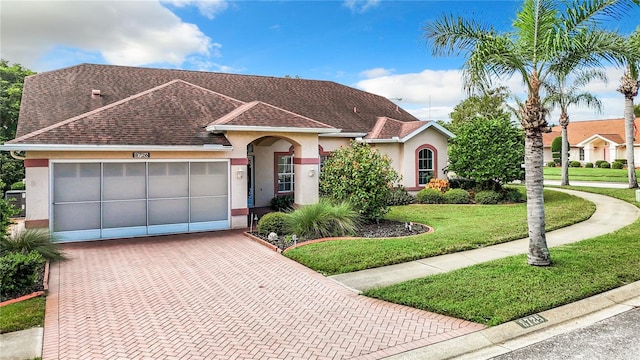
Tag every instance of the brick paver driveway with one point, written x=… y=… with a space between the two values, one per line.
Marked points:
x=218 y=296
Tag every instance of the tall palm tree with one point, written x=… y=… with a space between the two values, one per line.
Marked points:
x=563 y=91
x=629 y=88
x=546 y=35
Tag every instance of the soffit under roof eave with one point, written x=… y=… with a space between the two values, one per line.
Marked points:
x=70 y=147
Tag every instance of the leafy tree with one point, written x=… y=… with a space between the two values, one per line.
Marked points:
x=11 y=83
x=488 y=150
x=636 y=110
x=546 y=36
x=490 y=104
x=629 y=85
x=562 y=92
x=360 y=175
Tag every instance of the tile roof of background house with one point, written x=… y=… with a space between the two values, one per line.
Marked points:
x=578 y=131
x=53 y=97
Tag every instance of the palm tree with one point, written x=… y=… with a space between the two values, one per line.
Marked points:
x=546 y=35
x=562 y=92
x=629 y=88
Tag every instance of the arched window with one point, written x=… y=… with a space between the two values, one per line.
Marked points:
x=426 y=160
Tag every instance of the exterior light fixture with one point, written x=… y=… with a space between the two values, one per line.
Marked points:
x=240 y=174
x=312 y=173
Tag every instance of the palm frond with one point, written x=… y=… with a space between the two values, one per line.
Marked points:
x=452 y=35
x=582 y=13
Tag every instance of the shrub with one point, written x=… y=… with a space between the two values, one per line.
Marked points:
x=623 y=161
x=575 y=164
x=275 y=222
x=400 y=196
x=486 y=197
x=29 y=240
x=360 y=175
x=438 y=184
x=457 y=196
x=282 y=203
x=605 y=165
x=462 y=183
x=588 y=165
x=430 y=196
x=19 y=273
x=599 y=162
x=617 y=165
x=18 y=186
x=551 y=164
x=513 y=195
x=323 y=219
x=7 y=210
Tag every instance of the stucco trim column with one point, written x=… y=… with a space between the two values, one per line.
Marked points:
x=238 y=180
x=306 y=180
x=587 y=153
x=37 y=194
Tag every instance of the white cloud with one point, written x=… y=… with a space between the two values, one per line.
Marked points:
x=375 y=72
x=122 y=32
x=208 y=8
x=360 y=6
x=433 y=94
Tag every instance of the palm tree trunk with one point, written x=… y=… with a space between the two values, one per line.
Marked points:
x=629 y=117
x=533 y=121
x=564 y=157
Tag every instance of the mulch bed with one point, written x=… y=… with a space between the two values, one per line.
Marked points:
x=384 y=229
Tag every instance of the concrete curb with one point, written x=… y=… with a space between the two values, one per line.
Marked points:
x=501 y=339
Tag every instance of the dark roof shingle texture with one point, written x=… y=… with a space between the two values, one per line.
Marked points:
x=56 y=96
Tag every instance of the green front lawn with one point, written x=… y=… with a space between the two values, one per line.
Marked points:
x=22 y=315
x=457 y=228
x=503 y=290
x=585 y=174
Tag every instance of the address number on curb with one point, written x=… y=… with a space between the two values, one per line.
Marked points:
x=531 y=320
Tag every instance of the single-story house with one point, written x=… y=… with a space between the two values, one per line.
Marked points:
x=115 y=151
x=593 y=140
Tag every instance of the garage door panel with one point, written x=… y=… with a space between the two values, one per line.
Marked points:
x=209 y=209
x=76 y=182
x=168 y=180
x=119 y=214
x=168 y=211
x=209 y=179
x=124 y=181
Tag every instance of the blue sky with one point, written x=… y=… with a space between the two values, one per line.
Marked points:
x=373 y=45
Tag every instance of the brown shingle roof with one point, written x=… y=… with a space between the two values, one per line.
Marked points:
x=387 y=128
x=55 y=96
x=175 y=113
x=578 y=131
x=257 y=113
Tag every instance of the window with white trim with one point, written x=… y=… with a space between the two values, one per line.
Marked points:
x=285 y=174
x=425 y=166
x=581 y=154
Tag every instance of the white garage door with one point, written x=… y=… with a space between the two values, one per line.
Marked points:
x=116 y=199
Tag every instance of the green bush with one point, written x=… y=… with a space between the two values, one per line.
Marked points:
x=462 y=183
x=400 y=196
x=26 y=241
x=588 y=165
x=487 y=197
x=282 y=203
x=605 y=165
x=599 y=162
x=623 y=161
x=617 y=165
x=324 y=219
x=18 y=186
x=430 y=196
x=275 y=222
x=575 y=164
x=513 y=195
x=360 y=175
x=7 y=210
x=551 y=164
x=457 y=196
x=19 y=273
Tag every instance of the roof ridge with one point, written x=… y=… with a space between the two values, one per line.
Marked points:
x=233 y=114
x=112 y=105
x=377 y=127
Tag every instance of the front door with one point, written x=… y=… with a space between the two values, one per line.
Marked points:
x=250 y=182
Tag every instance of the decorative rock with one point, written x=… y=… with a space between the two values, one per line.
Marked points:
x=272 y=236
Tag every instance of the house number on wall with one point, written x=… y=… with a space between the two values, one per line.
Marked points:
x=531 y=320
x=141 y=155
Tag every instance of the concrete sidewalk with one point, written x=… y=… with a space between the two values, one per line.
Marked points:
x=610 y=215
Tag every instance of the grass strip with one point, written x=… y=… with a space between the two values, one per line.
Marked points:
x=457 y=228
x=589 y=174
x=503 y=290
x=22 y=315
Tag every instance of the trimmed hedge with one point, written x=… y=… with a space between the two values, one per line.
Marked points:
x=551 y=164
x=400 y=196
x=488 y=197
x=575 y=164
x=617 y=165
x=588 y=165
x=430 y=196
x=457 y=196
x=605 y=165
x=273 y=222
x=19 y=273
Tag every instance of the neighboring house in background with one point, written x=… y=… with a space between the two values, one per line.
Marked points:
x=114 y=151
x=594 y=140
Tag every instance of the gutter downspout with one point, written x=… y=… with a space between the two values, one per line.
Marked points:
x=16 y=156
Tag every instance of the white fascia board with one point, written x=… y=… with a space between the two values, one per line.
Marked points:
x=271 y=129
x=429 y=124
x=394 y=139
x=584 y=142
x=66 y=147
x=344 y=135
